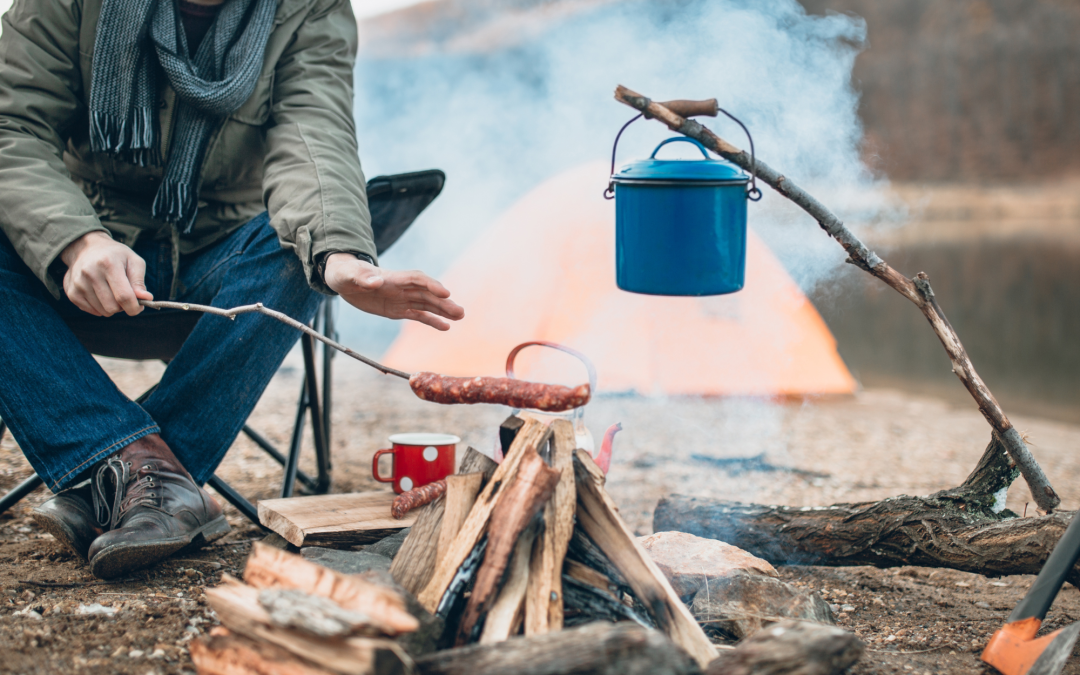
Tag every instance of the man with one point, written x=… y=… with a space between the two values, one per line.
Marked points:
x=202 y=151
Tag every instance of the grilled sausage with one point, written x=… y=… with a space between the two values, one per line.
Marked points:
x=417 y=497
x=500 y=390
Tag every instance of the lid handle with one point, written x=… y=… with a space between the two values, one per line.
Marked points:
x=676 y=139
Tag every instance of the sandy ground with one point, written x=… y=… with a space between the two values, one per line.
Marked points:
x=876 y=444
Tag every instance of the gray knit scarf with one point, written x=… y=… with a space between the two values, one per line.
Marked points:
x=133 y=37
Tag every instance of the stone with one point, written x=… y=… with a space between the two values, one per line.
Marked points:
x=346 y=562
x=390 y=545
x=96 y=608
x=688 y=561
x=791 y=647
x=742 y=604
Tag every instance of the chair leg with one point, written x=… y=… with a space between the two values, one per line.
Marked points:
x=19 y=491
x=322 y=450
x=235 y=498
x=293 y=458
x=269 y=449
x=330 y=330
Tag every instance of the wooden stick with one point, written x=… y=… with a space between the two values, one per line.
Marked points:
x=531 y=436
x=505 y=617
x=461 y=491
x=917 y=290
x=531 y=488
x=284 y=318
x=599 y=517
x=238 y=608
x=415 y=561
x=543 y=601
x=268 y=567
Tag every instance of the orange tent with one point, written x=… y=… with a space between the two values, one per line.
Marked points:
x=546 y=271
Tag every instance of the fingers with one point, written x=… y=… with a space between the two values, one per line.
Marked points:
x=136 y=273
x=426 y=318
x=121 y=289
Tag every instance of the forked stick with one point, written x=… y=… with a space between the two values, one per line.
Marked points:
x=258 y=308
x=917 y=290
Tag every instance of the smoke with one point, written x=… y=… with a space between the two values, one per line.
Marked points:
x=503 y=94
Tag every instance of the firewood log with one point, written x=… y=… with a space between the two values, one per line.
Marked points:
x=222 y=653
x=532 y=435
x=791 y=648
x=415 y=561
x=594 y=649
x=964 y=528
x=271 y=568
x=531 y=488
x=543 y=599
x=506 y=615
x=239 y=610
x=599 y=517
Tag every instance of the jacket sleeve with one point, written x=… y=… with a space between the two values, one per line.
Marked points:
x=312 y=183
x=41 y=209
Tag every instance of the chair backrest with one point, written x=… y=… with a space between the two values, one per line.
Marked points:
x=395 y=202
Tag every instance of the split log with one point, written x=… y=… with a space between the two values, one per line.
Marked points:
x=238 y=608
x=425 y=639
x=506 y=615
x=964 y=528
x=461 y=492
x=531 y=436
x=585 y=603
x=222 y=653
x=415 y=561
x=599 y=517
x=358 y=518
x=791 y=648
x=313 y=615
x=594 y=649
x=917 y=289
x=270 y=568
x=531 y=488
x=544 y=598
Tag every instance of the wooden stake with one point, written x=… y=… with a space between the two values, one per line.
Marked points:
x=415 y=562
x=461 y=491
x=531 y=436
x=598 y=516
x=543 y=600
x=531 y=488
x=505 y=617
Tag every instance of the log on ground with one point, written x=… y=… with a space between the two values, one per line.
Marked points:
x=593 y=649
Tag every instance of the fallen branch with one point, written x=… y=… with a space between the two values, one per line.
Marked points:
x=917 y=290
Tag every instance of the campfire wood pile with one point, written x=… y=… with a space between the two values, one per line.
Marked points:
x=524 y=567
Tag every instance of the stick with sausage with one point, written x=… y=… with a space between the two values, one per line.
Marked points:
x=499 y=390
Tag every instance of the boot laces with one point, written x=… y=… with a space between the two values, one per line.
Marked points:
x=116 y=490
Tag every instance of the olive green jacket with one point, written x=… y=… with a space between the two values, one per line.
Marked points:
x=290 y=149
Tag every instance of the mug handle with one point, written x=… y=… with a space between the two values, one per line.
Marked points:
x=375 y=465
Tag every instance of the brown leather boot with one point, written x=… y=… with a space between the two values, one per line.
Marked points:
x=69 y=518
x=154 y=507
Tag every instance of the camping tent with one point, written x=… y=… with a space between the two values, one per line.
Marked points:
x=545 y=270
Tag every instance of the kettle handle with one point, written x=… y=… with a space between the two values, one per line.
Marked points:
x=553 y=345
x=684 y=139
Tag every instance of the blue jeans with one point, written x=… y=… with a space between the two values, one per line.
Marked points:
x=65 y=412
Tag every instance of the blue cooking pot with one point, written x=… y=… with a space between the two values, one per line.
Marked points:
x=680 y=225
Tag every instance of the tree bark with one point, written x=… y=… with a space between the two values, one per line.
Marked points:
x=593 y=649
x=962 y=528
x=917 y=290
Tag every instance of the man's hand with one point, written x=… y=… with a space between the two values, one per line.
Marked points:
x=395 y=295
x=104 y=277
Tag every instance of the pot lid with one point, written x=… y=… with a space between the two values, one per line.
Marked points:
x=706 y=169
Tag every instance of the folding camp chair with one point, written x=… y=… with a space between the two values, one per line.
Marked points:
x=395 y=202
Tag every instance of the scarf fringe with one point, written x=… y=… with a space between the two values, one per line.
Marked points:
x=176 y=204
x=132 y=138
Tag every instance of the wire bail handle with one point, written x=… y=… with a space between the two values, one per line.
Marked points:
x=753 y=194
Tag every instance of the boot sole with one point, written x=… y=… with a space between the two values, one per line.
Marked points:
x=120 y=559
x=60 y=532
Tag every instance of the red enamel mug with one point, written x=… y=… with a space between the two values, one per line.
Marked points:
x=418 y=459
